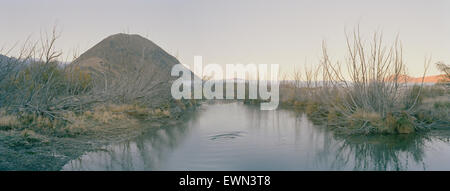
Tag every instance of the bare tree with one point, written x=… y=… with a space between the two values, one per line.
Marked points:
x=375 y=83
x=36 y=83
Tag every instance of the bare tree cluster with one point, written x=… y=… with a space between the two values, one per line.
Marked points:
x=369 y=87
x=37 y=83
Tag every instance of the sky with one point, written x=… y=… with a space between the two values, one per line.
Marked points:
x=288 y=33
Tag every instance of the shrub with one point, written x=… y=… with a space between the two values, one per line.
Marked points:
x=401 y=123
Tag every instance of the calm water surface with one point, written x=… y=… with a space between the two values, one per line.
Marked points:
x=234 y=136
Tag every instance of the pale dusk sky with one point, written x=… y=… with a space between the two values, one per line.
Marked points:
x=288 y=33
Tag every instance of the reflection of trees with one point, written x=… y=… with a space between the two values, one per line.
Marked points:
x=381 y=152
x=146 y=152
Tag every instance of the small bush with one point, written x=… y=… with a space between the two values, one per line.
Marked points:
x=401 y=123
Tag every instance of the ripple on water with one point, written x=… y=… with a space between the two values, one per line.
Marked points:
x=227 y=135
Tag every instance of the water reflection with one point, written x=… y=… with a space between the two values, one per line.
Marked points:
x=146 y=152
x=238 y=137
x=393 y=152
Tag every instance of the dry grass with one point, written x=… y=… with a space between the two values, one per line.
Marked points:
x=8 y=121
x=101 y=118
x=104 y=114
x=160 y=112
x=101 y=115
x=37 y=121
x=33 y=137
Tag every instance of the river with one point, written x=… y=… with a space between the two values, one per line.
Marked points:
x=234 y=136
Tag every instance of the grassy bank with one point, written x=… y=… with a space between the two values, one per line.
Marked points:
x=430 y=112
x=39 y=143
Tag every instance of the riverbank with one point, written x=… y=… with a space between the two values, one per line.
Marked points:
x=430 y=111
x=40 y=145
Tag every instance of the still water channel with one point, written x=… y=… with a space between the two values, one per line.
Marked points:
x=233 y=136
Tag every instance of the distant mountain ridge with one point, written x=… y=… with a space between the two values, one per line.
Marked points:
x=426 y=79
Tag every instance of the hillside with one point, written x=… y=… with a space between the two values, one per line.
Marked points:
x=131 y=64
